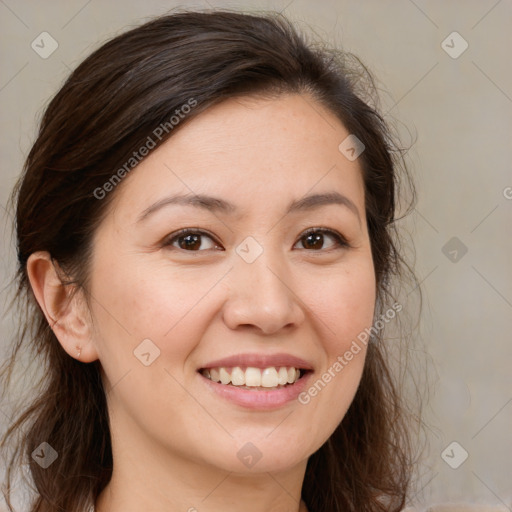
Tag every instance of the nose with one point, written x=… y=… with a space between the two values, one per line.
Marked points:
x=262 y=297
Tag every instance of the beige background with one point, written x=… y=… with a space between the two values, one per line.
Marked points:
x=460 y=111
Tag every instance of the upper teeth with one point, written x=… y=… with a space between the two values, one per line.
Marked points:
x=253 y=377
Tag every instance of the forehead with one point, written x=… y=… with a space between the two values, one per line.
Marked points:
x=251 y=151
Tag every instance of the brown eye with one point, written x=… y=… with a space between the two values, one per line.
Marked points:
x=315 y=240
x=192 y=241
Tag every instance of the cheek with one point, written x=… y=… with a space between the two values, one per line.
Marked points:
x=341 y=307
x=344 y=305
x=158 y=305
x=174 y=311
x=134 y=304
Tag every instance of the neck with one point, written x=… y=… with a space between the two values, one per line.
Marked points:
x=145 y=479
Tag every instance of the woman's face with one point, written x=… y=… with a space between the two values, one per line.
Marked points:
x=260 y=281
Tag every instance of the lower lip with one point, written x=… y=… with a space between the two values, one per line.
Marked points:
x=261 y=400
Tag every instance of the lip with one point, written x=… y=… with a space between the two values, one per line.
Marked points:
x=259 y=361
x=258 y=400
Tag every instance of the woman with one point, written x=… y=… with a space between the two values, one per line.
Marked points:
x=205 y=230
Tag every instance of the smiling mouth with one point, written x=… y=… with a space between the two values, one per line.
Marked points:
x=260 y=379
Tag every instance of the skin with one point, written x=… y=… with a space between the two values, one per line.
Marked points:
x=175 y=443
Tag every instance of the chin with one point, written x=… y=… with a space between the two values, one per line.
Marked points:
x=263 y=455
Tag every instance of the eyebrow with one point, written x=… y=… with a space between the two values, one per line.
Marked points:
x=215 y=204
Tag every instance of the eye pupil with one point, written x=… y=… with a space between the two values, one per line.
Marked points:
x=192 y=242
x=314 y=240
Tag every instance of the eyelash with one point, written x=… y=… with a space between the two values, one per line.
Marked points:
x=340 y=240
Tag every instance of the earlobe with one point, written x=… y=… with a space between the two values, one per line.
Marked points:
x=65 y=310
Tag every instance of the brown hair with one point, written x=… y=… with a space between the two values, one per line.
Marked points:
x=106 y=109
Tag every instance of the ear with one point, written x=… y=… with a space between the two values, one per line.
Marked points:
x=67 y=313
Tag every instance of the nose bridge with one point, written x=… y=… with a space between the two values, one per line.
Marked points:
x=261 y=291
